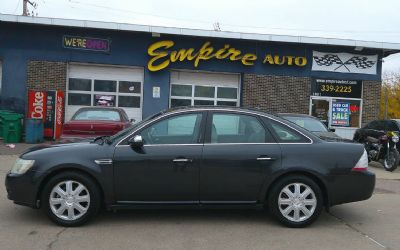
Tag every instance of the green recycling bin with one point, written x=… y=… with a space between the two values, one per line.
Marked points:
x=3 y=112
x=11 y=127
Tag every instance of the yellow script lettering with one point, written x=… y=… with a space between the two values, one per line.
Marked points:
x=152 y=51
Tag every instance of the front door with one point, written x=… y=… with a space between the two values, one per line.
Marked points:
x=238 y=155
x=166 y=168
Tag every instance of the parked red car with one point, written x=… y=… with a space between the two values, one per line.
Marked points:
x=91 y=122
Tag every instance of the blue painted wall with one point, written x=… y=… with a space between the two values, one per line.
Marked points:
x=20 y=43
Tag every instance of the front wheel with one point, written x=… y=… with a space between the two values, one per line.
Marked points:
x=71 y=199
x=391 y=160
x=296 y=201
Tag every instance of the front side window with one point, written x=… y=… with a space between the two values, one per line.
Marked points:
x=233 y=128
x=181 y=129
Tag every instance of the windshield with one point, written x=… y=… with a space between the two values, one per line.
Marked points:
x=127 y=131
x=103 y=115
x=308 y=123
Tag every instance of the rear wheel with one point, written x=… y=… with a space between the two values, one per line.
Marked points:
x=296 y=201
x=71 y=199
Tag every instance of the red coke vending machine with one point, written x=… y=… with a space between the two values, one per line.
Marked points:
x=49 y=106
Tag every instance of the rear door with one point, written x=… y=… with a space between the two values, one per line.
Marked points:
x=238 y=155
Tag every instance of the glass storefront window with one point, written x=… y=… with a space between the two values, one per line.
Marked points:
x=80 y=84
x=105 y=86
x=186 y=95
x=203 y=102
x=337 y=112
x=129 y=87
x=180 y=102
x=181 y=90
x=229 y=93
x=79 y=99
x=204 y=91
x=345 y=113
x=225 y=103
x=129 y=101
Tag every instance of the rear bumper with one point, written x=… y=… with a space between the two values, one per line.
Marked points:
x=356 y=186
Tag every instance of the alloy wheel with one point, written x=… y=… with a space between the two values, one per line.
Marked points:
x=297 y=202
x=69 y=200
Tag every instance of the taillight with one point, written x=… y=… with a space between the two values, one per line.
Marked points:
x=362 y=164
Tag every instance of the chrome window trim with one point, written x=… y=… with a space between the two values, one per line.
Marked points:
x=157 y=145
x=219 y=109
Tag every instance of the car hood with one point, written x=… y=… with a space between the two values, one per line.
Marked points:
x=62 y=145
x=331 y=137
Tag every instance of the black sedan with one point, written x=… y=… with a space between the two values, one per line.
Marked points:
x=197 y=157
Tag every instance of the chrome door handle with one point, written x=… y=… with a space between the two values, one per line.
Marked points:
x=180 y=160
x=265 y=159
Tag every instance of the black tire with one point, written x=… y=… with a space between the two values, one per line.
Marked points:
x=274 y=193
x=76 y=177
x=393 y=166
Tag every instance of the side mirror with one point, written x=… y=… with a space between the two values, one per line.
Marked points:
x=132 y=120
x=332 y=129
x=136 y=141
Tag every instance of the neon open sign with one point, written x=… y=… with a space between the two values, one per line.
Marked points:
x=86 y=43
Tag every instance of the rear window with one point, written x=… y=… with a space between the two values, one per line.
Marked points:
x=102 y=115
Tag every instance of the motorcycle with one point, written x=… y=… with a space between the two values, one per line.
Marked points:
x=383 y=150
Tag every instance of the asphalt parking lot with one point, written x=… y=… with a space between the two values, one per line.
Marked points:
x=371 y=224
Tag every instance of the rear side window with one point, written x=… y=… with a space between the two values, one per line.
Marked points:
x=234 y=128
x=285 y=134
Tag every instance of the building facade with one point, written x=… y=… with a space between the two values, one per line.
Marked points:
x=147 y=69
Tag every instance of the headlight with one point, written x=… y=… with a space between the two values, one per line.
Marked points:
x=21 y=166
x=395 y=138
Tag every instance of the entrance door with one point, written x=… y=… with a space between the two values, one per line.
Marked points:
x=320 y=109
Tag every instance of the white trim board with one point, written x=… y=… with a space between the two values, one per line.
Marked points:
x=197 y=32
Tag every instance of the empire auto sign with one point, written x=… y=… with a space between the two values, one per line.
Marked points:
x=162 y=54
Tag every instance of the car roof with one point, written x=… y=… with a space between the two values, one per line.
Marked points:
x=227 y=108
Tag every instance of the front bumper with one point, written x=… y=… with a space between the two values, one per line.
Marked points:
x=356 y=186
x=21 y=189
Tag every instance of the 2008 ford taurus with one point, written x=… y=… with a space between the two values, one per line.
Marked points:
x=196 y=157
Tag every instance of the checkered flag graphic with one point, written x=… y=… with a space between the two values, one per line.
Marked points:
x=360 y=62
x=328 y=60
